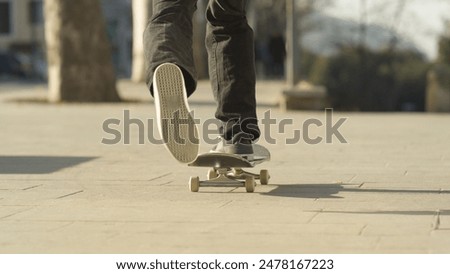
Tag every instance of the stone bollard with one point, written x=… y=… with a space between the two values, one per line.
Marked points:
x=438 y=89
x=304 y=96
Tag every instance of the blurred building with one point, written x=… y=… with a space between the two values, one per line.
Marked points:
x=21 y=24
x=22 y=33
x=118 y=18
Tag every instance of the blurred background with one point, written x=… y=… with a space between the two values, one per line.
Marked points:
x=354 y=55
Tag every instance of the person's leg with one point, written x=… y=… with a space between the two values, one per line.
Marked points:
x=171 y=75
x=168 y=39
x=230 y=47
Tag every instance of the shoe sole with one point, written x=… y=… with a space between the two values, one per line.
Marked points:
x=175 y=123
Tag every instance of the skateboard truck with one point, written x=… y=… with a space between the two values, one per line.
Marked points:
x=227 y=170
x=230 y=177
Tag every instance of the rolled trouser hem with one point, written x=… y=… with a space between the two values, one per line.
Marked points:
x=189 y=78
x=248 y=125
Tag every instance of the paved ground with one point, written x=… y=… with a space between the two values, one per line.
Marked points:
x=63 y=191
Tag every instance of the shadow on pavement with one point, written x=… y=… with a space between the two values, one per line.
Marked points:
x=394 y=212
x=38 y=164
x=311 y=191
x=331 y=191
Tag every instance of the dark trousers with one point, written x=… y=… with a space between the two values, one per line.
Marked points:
x=230 y=46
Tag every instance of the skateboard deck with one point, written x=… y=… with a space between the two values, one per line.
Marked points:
x=219 y=160
x=227 y=170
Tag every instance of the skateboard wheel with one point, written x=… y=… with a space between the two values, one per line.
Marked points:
x=264 y=176
x=194 y=184
x=212 y=174
x=250 y=184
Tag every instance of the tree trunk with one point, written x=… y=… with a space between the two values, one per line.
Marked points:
x=78 y=52
x=199 y=34
x=142 y=10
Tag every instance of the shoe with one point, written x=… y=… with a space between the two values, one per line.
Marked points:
x=240 y=145
x=175 y=122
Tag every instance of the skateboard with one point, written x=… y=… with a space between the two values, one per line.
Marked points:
x=227 y=170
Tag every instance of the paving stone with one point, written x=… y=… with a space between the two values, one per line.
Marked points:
x=63 y=191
